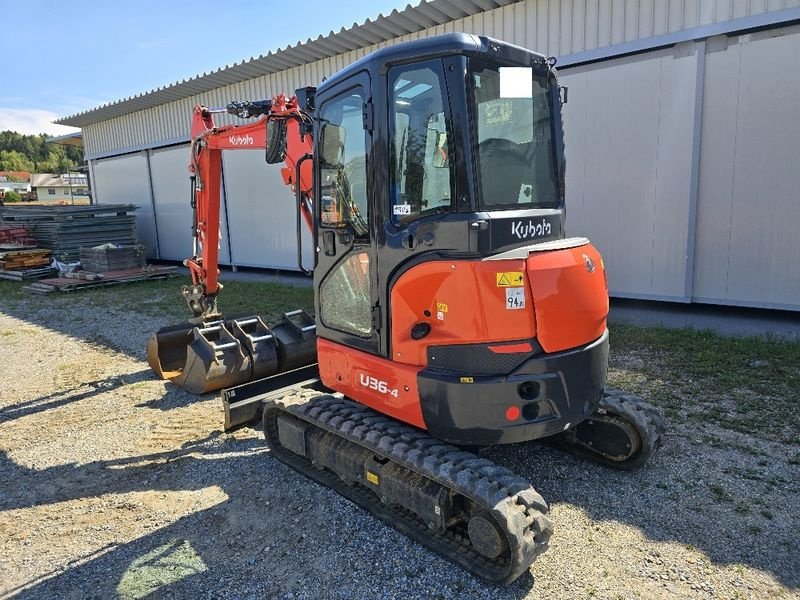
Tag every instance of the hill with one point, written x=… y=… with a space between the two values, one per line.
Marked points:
x=32 y=153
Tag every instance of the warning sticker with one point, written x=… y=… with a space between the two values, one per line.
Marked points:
x=515 y=298
x=510 y=279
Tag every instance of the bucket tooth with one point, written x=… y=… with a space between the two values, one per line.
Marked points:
x=214 y=360
x=259 y=342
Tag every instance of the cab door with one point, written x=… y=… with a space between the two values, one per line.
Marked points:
x=344 y=275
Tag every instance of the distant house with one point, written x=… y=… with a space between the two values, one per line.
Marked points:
x=16 y=181
x=53 y=186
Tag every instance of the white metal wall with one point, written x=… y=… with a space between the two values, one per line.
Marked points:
x=170 y=177
x=748 y=249
x=261 y=209
x=124 y=180
x=628 y=137
x=553 y=27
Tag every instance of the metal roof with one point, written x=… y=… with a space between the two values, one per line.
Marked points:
x=68 y=139
x=381 y=29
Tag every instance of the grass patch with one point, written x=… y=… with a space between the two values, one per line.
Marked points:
x=720 y=493
x=744 y=384
x=163 y=298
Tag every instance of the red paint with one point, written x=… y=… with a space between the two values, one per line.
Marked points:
x=208 y=142
x=474 y=307
x=570 y=298
x=357 y=375
x=512 y=413
x=512 y=348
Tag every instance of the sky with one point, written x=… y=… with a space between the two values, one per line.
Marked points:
x=58 y=58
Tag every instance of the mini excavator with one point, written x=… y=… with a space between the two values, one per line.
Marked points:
x=451 y=312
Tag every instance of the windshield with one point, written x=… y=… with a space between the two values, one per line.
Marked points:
x=514 y=131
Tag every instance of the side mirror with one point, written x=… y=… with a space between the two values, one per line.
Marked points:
x=440 y=158
x=276 y=141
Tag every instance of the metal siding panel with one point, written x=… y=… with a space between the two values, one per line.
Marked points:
x=517 y=13
x=673 y=174
x=675 y=15
x=261 y=213
x=123 y=180
x=604 y=23
x=706 y=12
x=576 y=148
x=631 y=20
x=578 y=26
x=168 y=169
x=717 y=153
x=691 y=12
x=764 y=243
x=617 y=21
x=592 y=23
x=629 y=146
x=660 y=17
x=542 y=39
x=565 y=27
x=741 y=8
x=646 y=16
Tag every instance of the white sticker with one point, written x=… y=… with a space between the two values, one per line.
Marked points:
x=401 y=209
x=516 y=82
x=440 y=315
x=515 y=298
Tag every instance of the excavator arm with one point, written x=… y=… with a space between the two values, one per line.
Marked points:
x=283 y=130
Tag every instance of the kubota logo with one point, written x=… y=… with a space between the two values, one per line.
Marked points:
x=241 y=140
x=531 y=229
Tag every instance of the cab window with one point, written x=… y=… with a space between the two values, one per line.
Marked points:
x=421 y=161
x=343 y=166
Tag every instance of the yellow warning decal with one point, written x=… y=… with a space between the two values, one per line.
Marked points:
x=510 y=279
x=373 y=478
x=467 y=380
x=441 y=307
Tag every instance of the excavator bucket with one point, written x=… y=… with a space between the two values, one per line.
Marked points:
x=203 y=356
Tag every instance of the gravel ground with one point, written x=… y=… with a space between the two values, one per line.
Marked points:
x=117 y=485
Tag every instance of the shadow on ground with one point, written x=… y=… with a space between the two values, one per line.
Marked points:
x=277 y=531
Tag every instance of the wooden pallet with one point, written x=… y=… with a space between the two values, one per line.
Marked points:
x=67 y=284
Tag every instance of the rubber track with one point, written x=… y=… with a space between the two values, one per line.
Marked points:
x=646 y=419
x=510 y=500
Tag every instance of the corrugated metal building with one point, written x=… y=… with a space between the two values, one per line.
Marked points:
x=682 y=132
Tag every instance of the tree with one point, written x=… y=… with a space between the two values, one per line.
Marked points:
x=12 y=196
x=12 y=160
x=32 y=153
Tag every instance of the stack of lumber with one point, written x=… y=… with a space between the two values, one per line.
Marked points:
x=77 y=281
x=111 y=258
x=65 y=229
x=24 y=264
